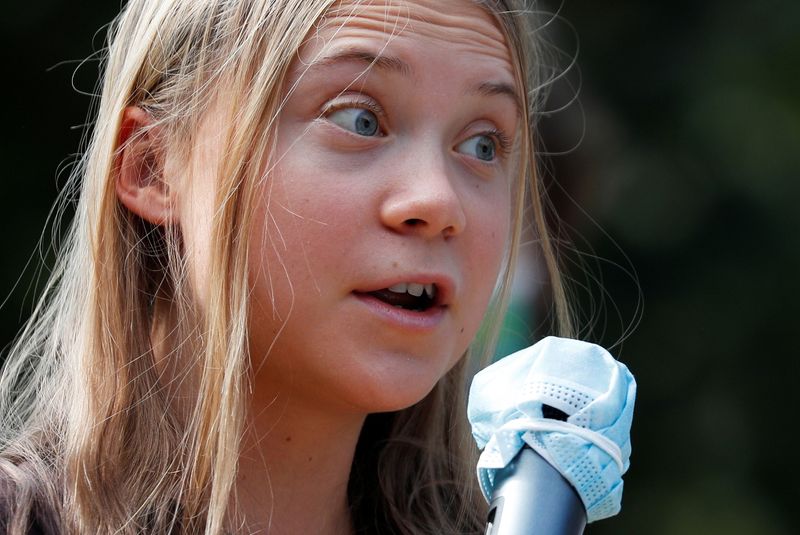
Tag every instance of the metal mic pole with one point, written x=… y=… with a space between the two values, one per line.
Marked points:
x=530 y=497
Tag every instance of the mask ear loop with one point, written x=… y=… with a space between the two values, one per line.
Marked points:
x=602 y=442
x=524 y=425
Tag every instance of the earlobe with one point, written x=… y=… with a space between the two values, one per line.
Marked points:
x=140 y=182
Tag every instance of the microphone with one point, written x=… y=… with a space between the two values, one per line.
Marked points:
x=553 y=421
x=531 y=497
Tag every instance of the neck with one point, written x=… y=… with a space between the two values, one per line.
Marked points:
x=295 y=460
x=294 y=468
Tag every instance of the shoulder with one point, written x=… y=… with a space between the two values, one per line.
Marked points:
x=20 y=504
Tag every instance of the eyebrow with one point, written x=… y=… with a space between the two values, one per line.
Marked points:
x=491 y=89
x=397 y=65
x=384 y=63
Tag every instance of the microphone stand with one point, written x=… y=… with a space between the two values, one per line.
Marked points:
x=531 y=497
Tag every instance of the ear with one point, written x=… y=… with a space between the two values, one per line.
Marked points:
x=141 y=185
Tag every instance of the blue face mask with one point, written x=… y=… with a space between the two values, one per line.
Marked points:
x=512 y=402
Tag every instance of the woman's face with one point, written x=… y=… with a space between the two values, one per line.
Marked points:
x=391 y=178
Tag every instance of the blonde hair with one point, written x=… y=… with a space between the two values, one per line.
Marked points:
x=89 y=430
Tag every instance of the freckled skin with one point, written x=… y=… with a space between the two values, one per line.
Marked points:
x=335 y=208
x=332 y=204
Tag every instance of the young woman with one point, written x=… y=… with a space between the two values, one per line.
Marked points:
x=294 y=218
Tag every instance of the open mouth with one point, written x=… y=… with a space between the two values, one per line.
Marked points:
x=408 y=295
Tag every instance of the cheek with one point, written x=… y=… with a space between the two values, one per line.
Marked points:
x=490 y=230
x=316 y=214
x=487 y=250
x=299 y=235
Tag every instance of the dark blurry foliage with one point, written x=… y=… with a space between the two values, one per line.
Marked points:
x=48 y=68
x=689 y=166
x=691 y=163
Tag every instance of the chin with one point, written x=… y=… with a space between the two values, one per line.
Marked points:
x=398 y=402
x=394 y=391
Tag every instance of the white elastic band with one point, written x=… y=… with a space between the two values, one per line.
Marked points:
x=605 y=444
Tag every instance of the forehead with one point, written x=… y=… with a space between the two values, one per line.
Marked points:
x=462 y=27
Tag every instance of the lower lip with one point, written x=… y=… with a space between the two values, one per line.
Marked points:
x=412 y=320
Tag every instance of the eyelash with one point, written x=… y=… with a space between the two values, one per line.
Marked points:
x=363 y=104
x=503 y=141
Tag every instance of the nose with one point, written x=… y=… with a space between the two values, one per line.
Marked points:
x=424 y=201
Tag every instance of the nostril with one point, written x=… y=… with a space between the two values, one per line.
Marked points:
x=414 y=222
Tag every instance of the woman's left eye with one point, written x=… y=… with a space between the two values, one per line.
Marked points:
x=357 y=120
x=482 y=147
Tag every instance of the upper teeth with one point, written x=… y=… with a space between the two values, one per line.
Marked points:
x=413 y=288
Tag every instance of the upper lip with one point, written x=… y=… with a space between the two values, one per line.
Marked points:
x=445 y=286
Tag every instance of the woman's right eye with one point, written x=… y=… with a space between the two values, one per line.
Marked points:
x=357 y=120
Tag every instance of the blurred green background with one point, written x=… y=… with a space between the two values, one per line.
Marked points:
x=683 y=164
